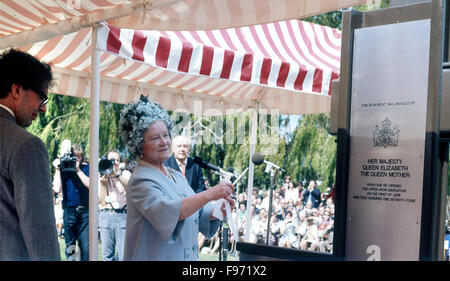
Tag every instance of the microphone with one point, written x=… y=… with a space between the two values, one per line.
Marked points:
x=205 y=165
x=258 y=159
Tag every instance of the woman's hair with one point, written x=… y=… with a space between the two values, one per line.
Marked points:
x=78 y=149
x=135 y=118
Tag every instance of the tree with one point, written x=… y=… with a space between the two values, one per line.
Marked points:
x=68 y=118
x=312 y=152
x=334 y=19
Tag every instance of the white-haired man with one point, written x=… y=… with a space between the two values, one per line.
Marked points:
x=182 y=163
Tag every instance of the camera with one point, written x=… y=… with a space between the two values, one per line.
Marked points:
x=68 y=163
x=105 y=166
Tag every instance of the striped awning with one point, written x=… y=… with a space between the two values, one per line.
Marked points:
x=286 y=66
x=28 y=21
x=279 y=64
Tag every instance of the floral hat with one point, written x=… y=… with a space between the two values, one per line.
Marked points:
x=135 y=118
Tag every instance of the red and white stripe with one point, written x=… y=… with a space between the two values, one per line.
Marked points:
x=293 y=55
x=19 y=15
x=29 y=21
x=220 y=69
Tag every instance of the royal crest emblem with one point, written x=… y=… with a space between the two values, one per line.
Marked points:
x=385 y=136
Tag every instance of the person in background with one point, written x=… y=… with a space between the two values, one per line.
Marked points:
x=113 y=209
x=312 y=194
x=73 y=182
x=207 y=185
x=447 y=242
x=310 y=240
x=27 y=218
x=180 y=162
x=59 y=214
x=292 y=193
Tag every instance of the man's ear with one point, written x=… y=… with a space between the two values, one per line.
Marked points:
x=15 y=91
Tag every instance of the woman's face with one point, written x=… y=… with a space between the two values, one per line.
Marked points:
x=157 y=143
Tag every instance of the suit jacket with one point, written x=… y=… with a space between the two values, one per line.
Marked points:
x=315 y=197
x=153 y=208
x=27 y=218
x=194 y=174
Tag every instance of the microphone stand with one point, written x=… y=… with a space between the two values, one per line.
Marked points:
x=220 y=242
x=225 y=240
x=258 y=159
x=273 y=175
x=223 y=229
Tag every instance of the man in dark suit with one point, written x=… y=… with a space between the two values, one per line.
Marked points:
x=312 y=193
x=27 y=220
x=182 y=163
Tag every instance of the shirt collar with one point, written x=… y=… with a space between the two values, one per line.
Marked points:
x=178 y=162
x=8 y=109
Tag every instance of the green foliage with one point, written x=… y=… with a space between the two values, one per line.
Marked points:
x=312 y=152
x=374 y=5
x=69 y=118
x=334 y=19
x=331 y=19
x=309 y=152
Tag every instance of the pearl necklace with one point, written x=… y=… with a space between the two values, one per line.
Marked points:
x=142 y=162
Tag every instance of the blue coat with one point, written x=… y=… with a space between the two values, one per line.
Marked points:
x=153 y=209
x=315 y=196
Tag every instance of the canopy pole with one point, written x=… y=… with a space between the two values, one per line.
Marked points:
x=253 y=135
x=93 y=148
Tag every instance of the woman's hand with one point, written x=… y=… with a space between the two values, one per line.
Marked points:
x=223 y=208
x=193 y=203
x=222 y=190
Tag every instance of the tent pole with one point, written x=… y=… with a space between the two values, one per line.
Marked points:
x=93 y=148
x=253 y=135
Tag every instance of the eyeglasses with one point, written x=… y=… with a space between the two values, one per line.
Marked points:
x=44 y=99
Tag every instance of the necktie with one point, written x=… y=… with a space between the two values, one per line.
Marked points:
x=183 y=168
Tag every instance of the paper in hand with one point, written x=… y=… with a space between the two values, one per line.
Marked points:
x=219 y=215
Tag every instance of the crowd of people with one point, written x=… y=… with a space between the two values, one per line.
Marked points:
x=301 y=218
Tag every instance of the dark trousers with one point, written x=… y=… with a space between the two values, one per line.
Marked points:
x=76 y=229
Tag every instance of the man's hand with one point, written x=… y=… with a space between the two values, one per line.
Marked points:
x=77 y=166
x=103 y=179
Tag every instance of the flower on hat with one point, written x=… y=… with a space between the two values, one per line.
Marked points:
x=135 y=118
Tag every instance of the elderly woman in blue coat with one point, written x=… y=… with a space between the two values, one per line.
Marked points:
x=164 y=215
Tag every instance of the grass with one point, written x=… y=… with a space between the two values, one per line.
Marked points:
x=62 y=247
x=215 y=257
